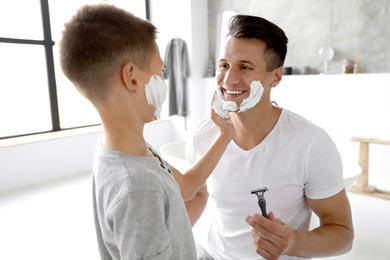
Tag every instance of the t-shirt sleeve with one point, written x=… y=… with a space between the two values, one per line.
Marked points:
x=202 y=138
x=325 y=169
x=137 y=222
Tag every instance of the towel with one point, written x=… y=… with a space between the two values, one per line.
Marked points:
x=176 y=71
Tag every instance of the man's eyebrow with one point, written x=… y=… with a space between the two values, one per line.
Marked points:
x=241 y=61
x=248 y=62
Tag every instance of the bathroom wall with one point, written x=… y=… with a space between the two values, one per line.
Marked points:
x=350 y=26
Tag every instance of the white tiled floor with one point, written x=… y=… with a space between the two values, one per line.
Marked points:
x=49 y=222
x=55 y=222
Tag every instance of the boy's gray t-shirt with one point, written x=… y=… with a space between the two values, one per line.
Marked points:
x=138 y=208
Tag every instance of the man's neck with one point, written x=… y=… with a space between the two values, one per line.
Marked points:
x=252 y=126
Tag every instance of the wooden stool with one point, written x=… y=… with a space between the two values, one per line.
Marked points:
x=362 y=185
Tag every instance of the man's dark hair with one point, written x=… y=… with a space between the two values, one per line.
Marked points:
x=253 y=27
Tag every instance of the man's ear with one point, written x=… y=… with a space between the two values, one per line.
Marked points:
x=129 y=76
x=277 y=76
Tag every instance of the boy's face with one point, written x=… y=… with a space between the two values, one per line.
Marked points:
x=155 y=87
x=241 y=62
x=156 y=65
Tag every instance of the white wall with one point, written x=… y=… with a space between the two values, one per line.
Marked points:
x=351 y=26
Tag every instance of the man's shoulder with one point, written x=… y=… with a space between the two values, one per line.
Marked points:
x=298 y=122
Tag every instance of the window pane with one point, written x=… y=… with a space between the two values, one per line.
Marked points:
x=24 y=16
x=62 y=11
x=24 y=97
x=74 y=109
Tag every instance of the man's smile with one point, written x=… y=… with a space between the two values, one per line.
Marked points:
x=234 y=92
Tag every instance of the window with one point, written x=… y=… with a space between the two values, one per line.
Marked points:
x=35 y=96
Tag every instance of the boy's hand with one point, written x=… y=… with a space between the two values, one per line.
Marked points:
x=224 y=124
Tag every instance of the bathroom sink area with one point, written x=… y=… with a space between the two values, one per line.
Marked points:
x=174 y=154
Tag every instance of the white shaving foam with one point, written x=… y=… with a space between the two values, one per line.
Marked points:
x=256 y=91
x=156 y=92
x=222 y=107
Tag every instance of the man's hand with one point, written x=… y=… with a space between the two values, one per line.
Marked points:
x=271 y=237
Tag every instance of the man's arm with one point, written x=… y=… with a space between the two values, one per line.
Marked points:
x=334 y=236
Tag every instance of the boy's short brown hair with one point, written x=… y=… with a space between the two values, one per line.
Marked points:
x=98 y=41
x=253 y=27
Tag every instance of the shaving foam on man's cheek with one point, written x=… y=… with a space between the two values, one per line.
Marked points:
x=221 y=106
x=256 y=91
x=156 y=92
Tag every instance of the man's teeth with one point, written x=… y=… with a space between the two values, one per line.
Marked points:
x=231 y=92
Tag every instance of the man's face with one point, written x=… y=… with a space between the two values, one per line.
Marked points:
x=241 y=62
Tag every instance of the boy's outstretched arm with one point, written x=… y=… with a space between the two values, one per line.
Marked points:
x=193 y=178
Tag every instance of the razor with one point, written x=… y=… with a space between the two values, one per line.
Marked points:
x=261 y=200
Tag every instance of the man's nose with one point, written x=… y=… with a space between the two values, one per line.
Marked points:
x=231 y=77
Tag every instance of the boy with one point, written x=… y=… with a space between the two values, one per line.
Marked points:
x=112 y=58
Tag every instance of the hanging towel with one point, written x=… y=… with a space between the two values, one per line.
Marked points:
x=177 y=70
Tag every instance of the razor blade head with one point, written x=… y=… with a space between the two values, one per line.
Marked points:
x=259 y=190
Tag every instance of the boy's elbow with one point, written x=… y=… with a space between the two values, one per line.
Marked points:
x=201 y=193
x=188 y=196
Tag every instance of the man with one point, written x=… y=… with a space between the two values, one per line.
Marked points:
x=274 y=148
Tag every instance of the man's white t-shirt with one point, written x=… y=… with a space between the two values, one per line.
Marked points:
x=297 y=159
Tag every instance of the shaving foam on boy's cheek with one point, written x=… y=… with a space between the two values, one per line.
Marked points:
x=156 y=92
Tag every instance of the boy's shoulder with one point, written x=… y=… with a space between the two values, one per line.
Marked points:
x=126 y=171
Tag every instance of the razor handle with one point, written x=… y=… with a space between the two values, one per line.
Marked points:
x=262 y=205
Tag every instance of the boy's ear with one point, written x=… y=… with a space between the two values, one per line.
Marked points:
x=129 y=76
x=277 y=76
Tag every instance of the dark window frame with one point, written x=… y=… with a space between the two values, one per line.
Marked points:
x=48 y=44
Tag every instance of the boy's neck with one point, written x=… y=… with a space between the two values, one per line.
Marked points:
x=124 y=139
